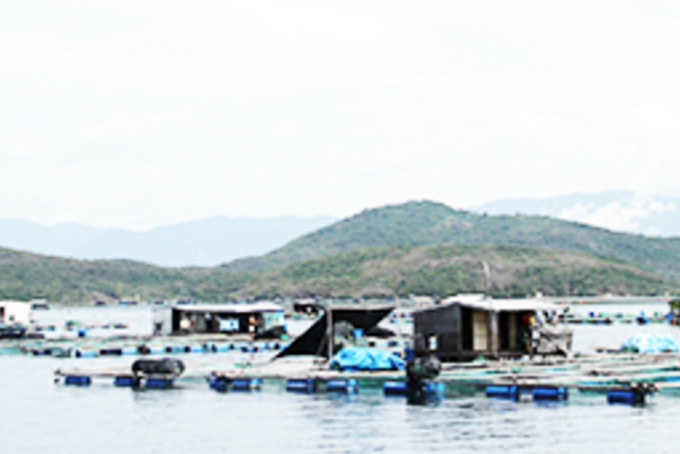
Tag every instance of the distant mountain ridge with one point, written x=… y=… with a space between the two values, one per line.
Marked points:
x=432 y=223
x=220 y=240
x=419 y=247
x=204 y=242
x=623 y=211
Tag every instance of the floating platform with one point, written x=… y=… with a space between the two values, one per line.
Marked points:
x=622 y=378
x=94 y=351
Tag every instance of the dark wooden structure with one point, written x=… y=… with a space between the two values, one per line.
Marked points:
x=464 y=329
x=217 y=318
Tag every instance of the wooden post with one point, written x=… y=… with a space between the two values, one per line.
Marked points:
x=329 y=329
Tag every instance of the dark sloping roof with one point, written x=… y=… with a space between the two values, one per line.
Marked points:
x=313 y=341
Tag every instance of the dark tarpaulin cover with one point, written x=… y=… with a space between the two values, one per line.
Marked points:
x=313 y=341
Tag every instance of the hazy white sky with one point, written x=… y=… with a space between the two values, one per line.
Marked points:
x=141 y=113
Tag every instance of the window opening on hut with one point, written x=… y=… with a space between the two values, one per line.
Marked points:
x=506 y=328
x=480 y=322
x=467 y=328
x=228 y=324
x=272 y=319
x=432 y=343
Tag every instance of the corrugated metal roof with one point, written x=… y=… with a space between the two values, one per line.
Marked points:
x=509 y=305
x=264 y=306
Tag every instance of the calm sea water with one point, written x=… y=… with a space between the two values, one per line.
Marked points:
x=42 y=417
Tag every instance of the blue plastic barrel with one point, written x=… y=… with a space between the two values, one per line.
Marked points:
x=347 y=386
x=125 y=381
x=196 y=349
x=245 y=384
x=77 y=380
x=502 y=391
x=435 y=388
x=301 y=385
x=626 y=396
x=395 y=388
x=219 y=384
x=158 y=383
x=550 y=393
x=157 y=350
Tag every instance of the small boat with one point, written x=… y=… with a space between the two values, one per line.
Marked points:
x=12 y=331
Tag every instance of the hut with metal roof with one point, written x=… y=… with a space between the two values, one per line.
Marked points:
x=218 y=318
x=466 y=327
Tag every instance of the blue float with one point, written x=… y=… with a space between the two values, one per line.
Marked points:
x=125 y=381
x=77 y=380
x=346 y=386
x=432 y=389
x=158 y=383
x=550 y=393
x=395 y=388
x=130 y=350
x=303 y=385
x=245 y=384
x=196 y=349
x=435 y=389
x=86 y=353
x=502 y=391
x=626 y=396
x=219 y=384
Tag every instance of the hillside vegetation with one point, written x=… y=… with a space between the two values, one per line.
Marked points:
x=430 y=223
x=445 y=270
x=414 y=248
x=386 y=271
x=25 y=276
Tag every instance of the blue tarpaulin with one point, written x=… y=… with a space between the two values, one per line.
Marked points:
x=651 y=343
x=363 y=358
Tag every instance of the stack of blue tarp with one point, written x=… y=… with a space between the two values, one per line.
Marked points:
x=364 y=358
x=651 y=343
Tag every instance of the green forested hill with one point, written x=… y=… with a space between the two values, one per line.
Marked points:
x=25 y=276
x=418 y=247
x=445 y=270
x=429 y=223
x=432 y=270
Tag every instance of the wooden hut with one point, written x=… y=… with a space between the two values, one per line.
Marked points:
x=15 y=312
x=460 y=329
x=218 y=318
